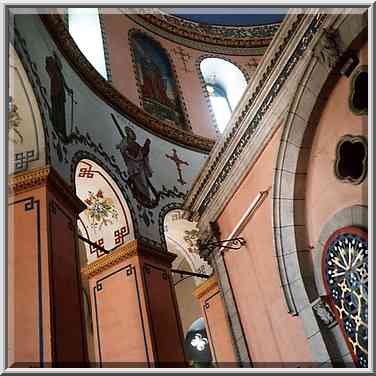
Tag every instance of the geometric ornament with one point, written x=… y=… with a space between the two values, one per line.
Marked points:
x=345 y=267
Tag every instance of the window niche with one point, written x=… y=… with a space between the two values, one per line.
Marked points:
x=351 y=159
x=358 y=99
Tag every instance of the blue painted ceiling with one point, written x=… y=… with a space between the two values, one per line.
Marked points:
x=231 y=16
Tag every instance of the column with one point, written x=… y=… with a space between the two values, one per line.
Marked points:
x=134 y=309
x=45 y=321
x=216 y=321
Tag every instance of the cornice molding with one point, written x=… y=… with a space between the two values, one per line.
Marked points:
x=256 y=118
x=210 y=284
x=225 y=36
x=124 y=252
x=103 y=89
x=44 y=177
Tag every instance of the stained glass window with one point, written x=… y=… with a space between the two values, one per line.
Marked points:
x=345 y=267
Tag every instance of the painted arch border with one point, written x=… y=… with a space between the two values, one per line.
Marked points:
x=290 y=244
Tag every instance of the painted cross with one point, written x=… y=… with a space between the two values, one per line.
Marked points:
x=184 y=57
x=174 y=157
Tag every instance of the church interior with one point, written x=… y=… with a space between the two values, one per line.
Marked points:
x=187 y=188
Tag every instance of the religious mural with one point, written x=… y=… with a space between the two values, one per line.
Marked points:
x=136 y=158
x=58 y=96
x=158 y=86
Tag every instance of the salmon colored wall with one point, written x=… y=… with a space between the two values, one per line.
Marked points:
x=272 y=334
x=137 y=323
x=217 y=329
x=123 y=75
x=23 y=274
x=325 y=194
x=43 y=276
x=117 y=319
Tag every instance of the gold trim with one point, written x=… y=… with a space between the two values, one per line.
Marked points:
x=113 y=258
x=205 y=287
x=44 y=177
x=124 y=252
x=104 y=90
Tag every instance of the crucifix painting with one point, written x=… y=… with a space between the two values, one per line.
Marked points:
x=175 y=158
x=157 y=82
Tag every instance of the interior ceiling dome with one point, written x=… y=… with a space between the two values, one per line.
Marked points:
x=231 y=16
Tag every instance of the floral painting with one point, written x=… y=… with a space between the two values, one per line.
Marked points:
x=100 y=210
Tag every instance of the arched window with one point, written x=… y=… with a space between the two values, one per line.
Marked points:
x=345 y=269
x=107 y=219
x=225 y=84
x=85 y=28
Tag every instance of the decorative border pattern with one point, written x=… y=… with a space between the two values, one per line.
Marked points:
x=39 y=177
x=353 y=140
x=196 y=45
x=105 y=47
x=205 y=287
x=131 y=32
x=124 y=252
x=354 y=76
x=32 y=73
x=264 y=107
x=162 y=214
x=110 y=95
x=203 y=84
x=227 y=36
x=78 y=156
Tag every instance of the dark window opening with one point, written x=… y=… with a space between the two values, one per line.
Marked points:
x=360 y=96
x=352 y=159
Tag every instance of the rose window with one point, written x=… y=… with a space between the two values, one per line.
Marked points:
x=346 y=277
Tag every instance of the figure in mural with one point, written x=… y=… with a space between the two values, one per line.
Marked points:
x=14 y=121
x=136 y=158
x=58 y=98
x=157 y=82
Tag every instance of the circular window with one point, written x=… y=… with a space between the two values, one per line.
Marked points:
x=358 y=99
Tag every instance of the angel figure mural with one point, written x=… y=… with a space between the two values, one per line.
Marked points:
x=136 y=158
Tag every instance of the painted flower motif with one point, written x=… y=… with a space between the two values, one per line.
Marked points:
x=199 y=342
x=100 y=210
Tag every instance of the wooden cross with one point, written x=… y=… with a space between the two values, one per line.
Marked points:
x=174 y=157
x=184 y=57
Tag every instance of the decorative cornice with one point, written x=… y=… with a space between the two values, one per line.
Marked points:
x=113 y=258
x=42 y=177
x=227 y=36
x=56 y=27
x=210 y=284
x=124 y=252
x=294 y=37
x=195 y=44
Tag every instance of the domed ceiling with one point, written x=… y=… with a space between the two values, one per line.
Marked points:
x=232 y=16
x=239 y=31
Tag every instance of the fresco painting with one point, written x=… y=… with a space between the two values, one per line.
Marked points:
x=58 y=97
x=159 y=92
